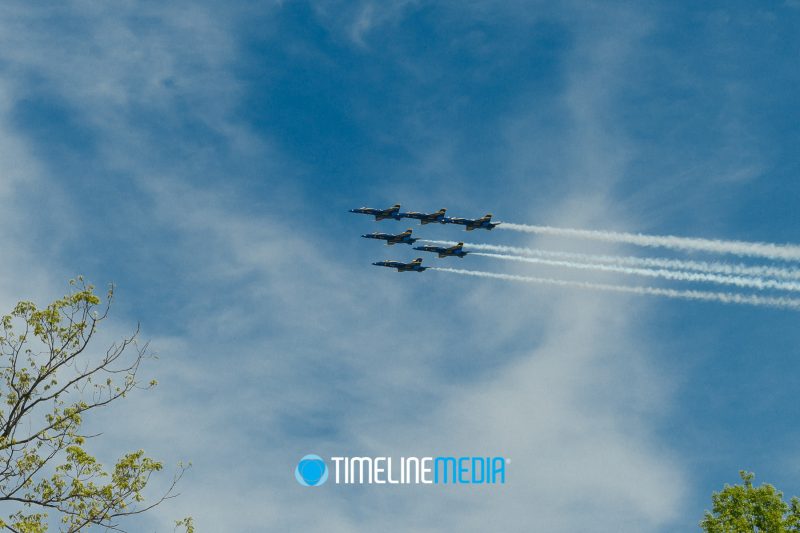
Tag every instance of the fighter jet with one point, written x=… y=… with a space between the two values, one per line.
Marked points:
x=415 y=265
x=400 y=238
x=426 y=218
x=380 y=214
x=456 y=250
x=473 y=223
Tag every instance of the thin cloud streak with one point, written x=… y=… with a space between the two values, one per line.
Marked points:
x=721 y=297
x=677 y=275
x=783 y=252
x=734 y=269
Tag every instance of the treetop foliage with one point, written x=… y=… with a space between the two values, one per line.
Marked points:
x=746 y=508
x=48 y=384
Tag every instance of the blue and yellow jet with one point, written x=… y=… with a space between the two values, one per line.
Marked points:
x=473 y=223
x=456 y=250
x=400 y=238
x=380 y=214
x=413 y=266
x=426 y=218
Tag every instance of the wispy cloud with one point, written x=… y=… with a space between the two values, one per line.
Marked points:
x=272 y=347
x=357 y=20
x=716 y=267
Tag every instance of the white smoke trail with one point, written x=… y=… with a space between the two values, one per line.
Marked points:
x=647 y=262
x=722 y=297
x=678 y=275
x=785 y=252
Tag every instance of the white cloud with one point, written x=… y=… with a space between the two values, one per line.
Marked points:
x=22 y=273
x=574 y=414
x=278 y=348
x=357 y=20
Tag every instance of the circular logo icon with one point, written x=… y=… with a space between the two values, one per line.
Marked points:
x=311 y=471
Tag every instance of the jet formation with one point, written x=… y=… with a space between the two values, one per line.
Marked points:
x=393 y=212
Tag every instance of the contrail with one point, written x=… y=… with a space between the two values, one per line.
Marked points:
x=785 y=252
x=722 y=297
x=678 y=275
x=647 y=262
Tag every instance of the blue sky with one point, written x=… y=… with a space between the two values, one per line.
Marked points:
x=203 y=159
